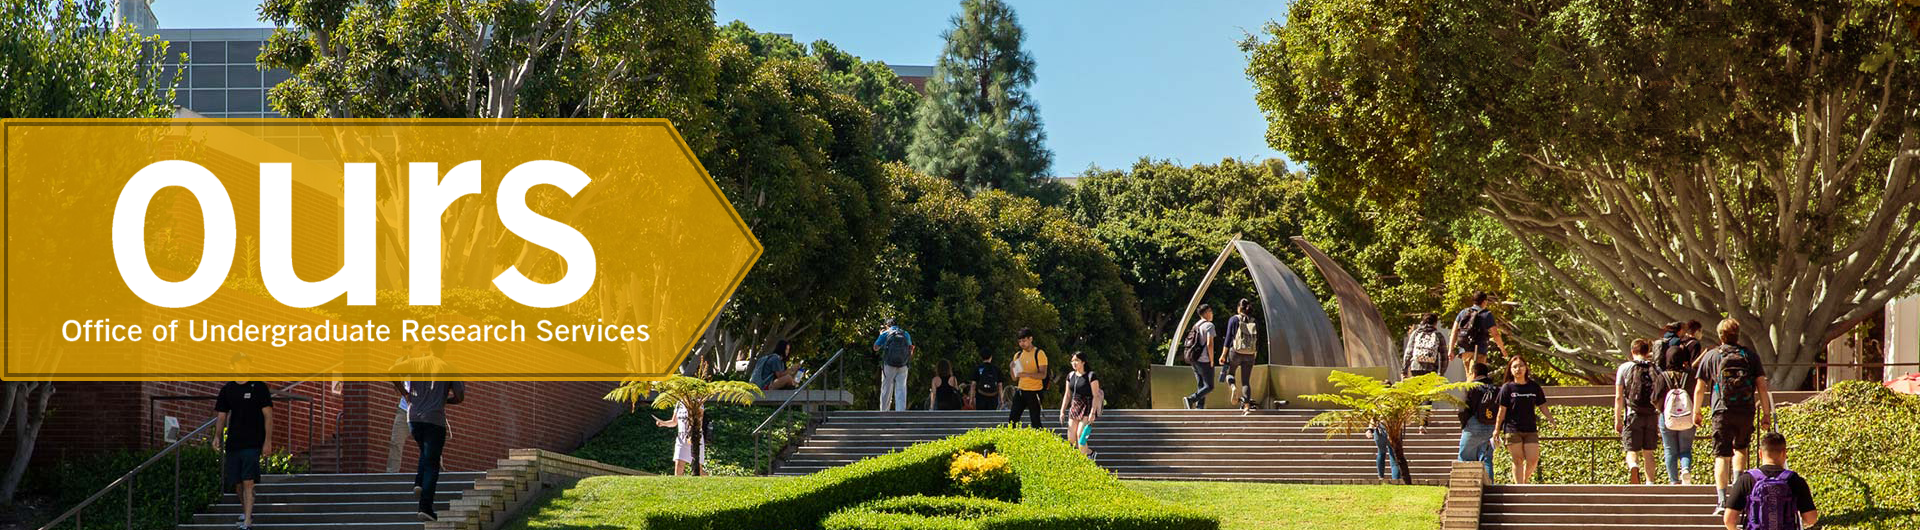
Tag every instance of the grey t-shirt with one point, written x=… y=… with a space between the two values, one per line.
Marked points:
x=1201 y=334
x=1709 y=371
x=427 y=400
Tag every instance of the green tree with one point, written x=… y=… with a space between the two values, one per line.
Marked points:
x=1365 y=403
x=1164 y=223
x=798 y=165
x=689 y=392
x=958 y=288
x=1747 y=159
x=1079 y=278
x=978 y=125
x=872 y=83
x=66 y=59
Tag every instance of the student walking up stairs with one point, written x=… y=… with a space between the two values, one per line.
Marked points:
x=1266 y=446
x=356 y=501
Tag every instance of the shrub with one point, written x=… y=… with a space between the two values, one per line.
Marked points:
x=1058 y=488
x=633 y=441
x=977 y=475
x=1858 y=445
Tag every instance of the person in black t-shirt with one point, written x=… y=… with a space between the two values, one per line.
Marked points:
x=245 y=417
x=1080 y=404
x=1522 y=409
x=1773 y=463
x=986 y=384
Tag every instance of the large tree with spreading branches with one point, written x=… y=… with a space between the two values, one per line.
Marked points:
x=1659 y=161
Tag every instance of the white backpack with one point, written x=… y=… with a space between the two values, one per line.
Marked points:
x=1679 y=411
x=1426 y=349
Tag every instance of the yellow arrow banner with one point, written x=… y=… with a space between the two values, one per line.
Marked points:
x=383 y=249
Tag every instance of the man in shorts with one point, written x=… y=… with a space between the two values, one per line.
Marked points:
x=1738 y=383
x=245 y=411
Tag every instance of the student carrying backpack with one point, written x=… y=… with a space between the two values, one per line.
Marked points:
x=1478 y=417
x=1771 y=497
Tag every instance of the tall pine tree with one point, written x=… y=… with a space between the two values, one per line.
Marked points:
x=978 y=125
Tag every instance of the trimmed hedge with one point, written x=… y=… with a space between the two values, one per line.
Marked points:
x=1058 y=489
x=1858 y=445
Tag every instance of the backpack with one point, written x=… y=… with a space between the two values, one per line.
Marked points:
x=1486 y=408
x=1471 y=332
x=1426 y=349
x=1770 y=505
x=1196 y=348
x=1736 y=379
x=1670 y=351
x=1678 y=415
x=1246 y=341
x=894 y=348
x=1639 y=385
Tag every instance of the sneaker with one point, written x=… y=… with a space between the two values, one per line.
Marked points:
x=427 y=516
x=1718 y=510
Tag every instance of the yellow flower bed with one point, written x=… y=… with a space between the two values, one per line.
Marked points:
x=970 y=467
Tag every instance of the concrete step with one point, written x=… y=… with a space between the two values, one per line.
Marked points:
x=313 y=498
x=276 y=488
x=1559 y=507
x=1608 y=499
x=1643 y=520
x=416 y=525
x=1654 y=489
x=402 y=478
x=406 y=514
x=1586 y=526
x=231 y=509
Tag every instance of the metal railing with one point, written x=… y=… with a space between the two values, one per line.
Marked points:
x=130 y=479
x=759 y=434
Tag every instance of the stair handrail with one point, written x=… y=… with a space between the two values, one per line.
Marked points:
x=797 y=392
x=128 y=478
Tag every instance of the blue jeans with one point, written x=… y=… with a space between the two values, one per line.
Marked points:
x=1202 y=372
x=1476 y=444
x=1679 y=451
x=1383 y=456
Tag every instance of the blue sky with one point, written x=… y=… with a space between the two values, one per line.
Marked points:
x=1117 y=80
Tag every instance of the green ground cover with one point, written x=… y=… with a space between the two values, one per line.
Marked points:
x=633 y=441
x=1858 y=445
x=619 y=502
x=910 y=489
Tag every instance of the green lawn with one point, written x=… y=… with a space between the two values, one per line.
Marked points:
x=618 y=502
x=1304 y=507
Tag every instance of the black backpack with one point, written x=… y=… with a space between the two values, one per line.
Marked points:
x=1485 y=406
x=1639 y=385
x=1471 y=332
x=1671 y=350
x=895 y=349
x=1196 y=348
x=1737 y=378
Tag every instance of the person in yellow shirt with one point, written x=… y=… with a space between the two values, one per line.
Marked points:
x=1030 y=370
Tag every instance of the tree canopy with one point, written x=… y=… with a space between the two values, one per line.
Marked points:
x=979 y=126
x=1748 y=159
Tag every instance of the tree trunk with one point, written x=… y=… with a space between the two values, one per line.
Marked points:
x=29 y=413
x=698 y=434
x=1397 y=442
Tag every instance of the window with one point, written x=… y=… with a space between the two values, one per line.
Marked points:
x=243 y=51
x=209 y=101
x=208 y=52
x=273 y=76
x=242 y=76
x=208 y=76
x=243 y=101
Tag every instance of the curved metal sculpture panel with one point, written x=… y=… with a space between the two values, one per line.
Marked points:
x=1362 y=330
x=1299 y=333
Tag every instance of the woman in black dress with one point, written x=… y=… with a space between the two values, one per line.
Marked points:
x=1080 y=404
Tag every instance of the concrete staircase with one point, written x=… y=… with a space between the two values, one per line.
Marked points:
x=1597 y=507
x=1267 y=446
x=358 y=501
